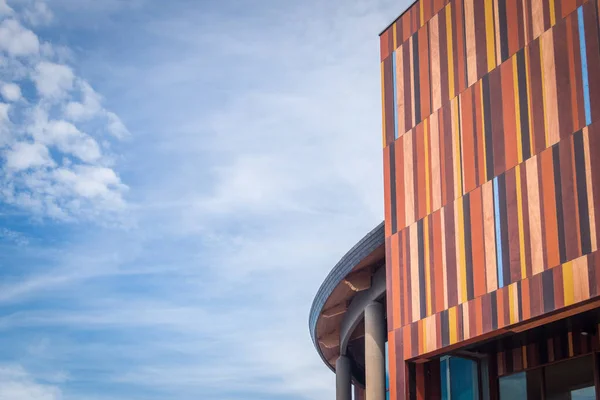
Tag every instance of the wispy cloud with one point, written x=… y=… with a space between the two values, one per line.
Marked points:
x=57 y=156
x=16 y=383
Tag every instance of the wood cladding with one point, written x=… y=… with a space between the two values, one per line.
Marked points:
x=462 y=42
x=528 y=219
x=556 y=288
x=502 y=120
x=491 y=135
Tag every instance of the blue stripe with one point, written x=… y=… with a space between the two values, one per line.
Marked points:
x=584 y=67
x=395 y=94
x=498 y=234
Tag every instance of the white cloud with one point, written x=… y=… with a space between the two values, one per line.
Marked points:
x=10 y=91
x=115 y=126
x=38 y=13
x=91 y=182
x=25 y=155
x=5 y=9
x=13 y=236
x=70 y=140
x=17 y=40
x=18 y=384
x=53 y=80
x=4 y=118
x=5 y=124
x=88 y=108
x=52 y=163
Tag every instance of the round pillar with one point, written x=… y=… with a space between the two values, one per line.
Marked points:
x=343 y=388
x=375 y=351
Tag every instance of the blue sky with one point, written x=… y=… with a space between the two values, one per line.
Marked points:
x=176 y=179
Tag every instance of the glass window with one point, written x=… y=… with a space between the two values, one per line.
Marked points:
x=513 y=386
x=571 y=380
x=459 y=379
x=524 y=385
x=464 y=384
x=445 y=378
x=567 y=380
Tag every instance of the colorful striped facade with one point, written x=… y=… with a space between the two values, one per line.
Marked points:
x=491 y=135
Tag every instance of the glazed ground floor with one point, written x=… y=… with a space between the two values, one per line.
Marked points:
x=559 y=360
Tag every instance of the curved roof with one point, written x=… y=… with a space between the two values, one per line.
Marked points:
x=361 y=250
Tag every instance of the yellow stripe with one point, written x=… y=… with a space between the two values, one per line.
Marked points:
x=450 y=51
x=427 y=264
x=383 y=105
x=517 y=109
x=552 y=16
x=543 y=94
x=452 y=325
x=512 y=307
x=529 y=101
x=568 y=283
x=461 y=252
x=427 y=150
x=394 y=29
x=483 y=129
x=489 y=25
x=520 y=217
x=422 y=14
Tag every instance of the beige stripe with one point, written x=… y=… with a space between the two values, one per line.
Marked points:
x=537 y=17
x=466 y=326
x=409 y=198
x=436 y=83
x=581 y=284
x=535 y=227
x=590 y=191
x=489 y=235
x=547 y=42
x=431 y=333
x=470 y=40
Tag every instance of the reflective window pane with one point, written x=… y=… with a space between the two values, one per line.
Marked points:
x=588 y=393
x=524 y=385
x=459 y=379
x=571 y=380
x=445 y=378
x=513 y=386
x=464 y=382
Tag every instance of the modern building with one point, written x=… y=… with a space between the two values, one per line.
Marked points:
x=483 y=282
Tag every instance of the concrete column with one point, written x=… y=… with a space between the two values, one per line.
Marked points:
x=375 y=351
x=343 y=388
